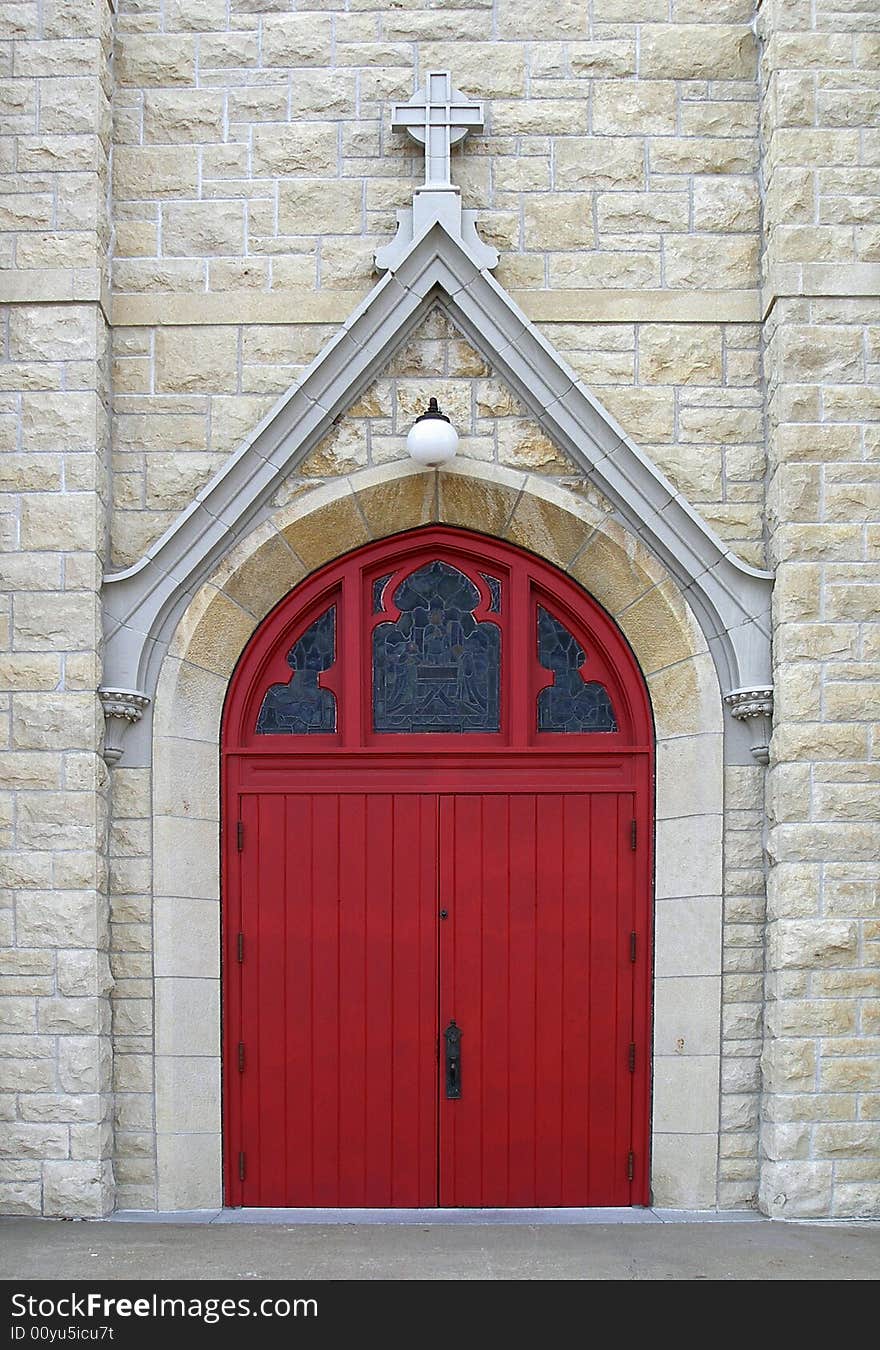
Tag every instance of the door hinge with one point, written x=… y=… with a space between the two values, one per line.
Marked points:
x=632 y=1057
x=241 y=1057
x=632 y=946
x=239 y=947
x=630 y=1165
x=241 y=1167
x=633 y=833
x=239 y=835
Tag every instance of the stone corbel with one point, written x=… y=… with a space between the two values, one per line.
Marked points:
x=122 y=708
x=756 y=707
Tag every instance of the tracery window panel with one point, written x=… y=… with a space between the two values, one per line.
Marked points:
x=301 y=707
x=436 y=668
x=570 y=703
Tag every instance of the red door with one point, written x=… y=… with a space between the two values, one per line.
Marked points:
x=436 y=775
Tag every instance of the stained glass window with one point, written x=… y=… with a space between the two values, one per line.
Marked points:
x=378 y=587
x=436 y=668
x=301 y=707
x=494 y=591
x=569 y=703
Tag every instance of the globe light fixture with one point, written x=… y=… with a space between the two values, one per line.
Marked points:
x=432 y=439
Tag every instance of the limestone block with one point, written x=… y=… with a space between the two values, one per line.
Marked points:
x=342 y=451
x=187 y=1017
x=77 y=1189
x=821 y=354
x=731 y=262
x=142 y=171
x=594 y=163
x=399 y=504
x=84 y=1064
x=726 y=205
x=296 y=148
x=323 y=534
x=685 y=1094
x=64 y=521
x=689 y=770
x=599 y=59
x=21 y=1197
x=683 y=1170
x=642 y=212
x=857 y=1074
x=629 y=108
x=234 y=417
x=323 y=95
x=550 y=19
x=65 y=421
x=645 y=414
x=27 y=1139
x=680 y=354
x=545 y=529
x=522 y=444
x=860 y=1200
x=703 y=155
x=183 y=115
x=685 y=697
x=475 y=503
x=145 y=60
x=680 y=51
x=187 y=937
x=200 y=228
x=687 y=937
x=484 y=69
x=539 y=117
x=57 y=918
x=51 y=154
x=686 y=1016
x=65 y=721
x=806 y=944
x=190 y=1169
x=52 y=332
x=187 y=1094
x=291 y=40
x=320 y=205
x=83 y=973
x=196 y=360
x=688 y=857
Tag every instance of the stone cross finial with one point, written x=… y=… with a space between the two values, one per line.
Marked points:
x=438 y=117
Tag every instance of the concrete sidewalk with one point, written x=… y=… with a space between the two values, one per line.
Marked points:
x=651 y=1248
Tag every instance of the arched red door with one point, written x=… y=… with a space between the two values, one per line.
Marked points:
x=437 y=777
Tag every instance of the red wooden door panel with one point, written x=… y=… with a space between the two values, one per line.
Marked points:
x=335 y=1086
x=535 y=969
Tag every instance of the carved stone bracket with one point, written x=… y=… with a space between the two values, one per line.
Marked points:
x=122 y=708
x=755 y=706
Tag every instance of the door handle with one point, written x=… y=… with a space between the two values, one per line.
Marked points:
x=452 y=1036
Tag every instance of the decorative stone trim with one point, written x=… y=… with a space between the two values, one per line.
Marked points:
x=122 y=708
x=757 y=704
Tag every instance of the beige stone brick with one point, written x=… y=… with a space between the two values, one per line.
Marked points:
x=63 y=521
x=330 y=95
x=641 y=212
x=291 y=40
x=296 y=148
x=558 y=221
x=599 y=59
x=702 y=155
x=680 y=354
x=319 y=206
x=196 y=360
x=485 y=69
x=645 y=106
x=155 y=59
x=679 y=51
x=725 y=205
x=140 y=172
x=183 y=115
x=200 y=228
x=731 y=262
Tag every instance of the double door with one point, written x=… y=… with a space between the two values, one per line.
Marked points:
x=431 y=999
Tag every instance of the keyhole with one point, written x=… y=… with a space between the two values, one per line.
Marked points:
x=444 y=914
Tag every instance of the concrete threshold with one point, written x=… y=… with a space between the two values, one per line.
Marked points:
x=436 y=1217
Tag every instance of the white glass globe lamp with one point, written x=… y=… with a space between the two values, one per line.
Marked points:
x=432 y=439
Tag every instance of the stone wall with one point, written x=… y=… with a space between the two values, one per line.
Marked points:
x=55 y=1050
x=255 y=174
x=821 y=1134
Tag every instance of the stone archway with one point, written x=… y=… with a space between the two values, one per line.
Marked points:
x=575 y=531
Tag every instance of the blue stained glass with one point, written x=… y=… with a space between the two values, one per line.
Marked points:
x=301 y=707
x=378 y=587
x=569 y=703
x=494 y=591
x=436 y=668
